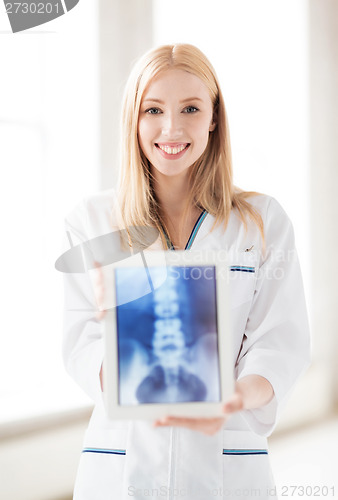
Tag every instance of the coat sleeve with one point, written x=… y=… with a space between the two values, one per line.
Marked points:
x=82 y=345
x=276 y=343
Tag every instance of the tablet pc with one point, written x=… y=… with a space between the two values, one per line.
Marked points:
x=167 y=340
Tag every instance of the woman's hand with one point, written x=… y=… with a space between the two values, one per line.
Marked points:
x=99 y=292
x=251 y=391
x=207 y=426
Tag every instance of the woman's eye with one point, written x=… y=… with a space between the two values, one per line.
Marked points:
x=190 y=109
x=153 y=111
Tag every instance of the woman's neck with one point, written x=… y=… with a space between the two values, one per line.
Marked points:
x=172 y=194
x=179 y=220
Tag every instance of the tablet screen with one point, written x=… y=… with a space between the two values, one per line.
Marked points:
x=167 y=335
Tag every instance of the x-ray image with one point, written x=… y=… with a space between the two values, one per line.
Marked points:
x=167 y=338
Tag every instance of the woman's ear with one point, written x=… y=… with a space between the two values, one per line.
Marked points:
x=214 y=121
x=212 y=126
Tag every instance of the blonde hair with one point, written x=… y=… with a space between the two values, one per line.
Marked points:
x=210 y=177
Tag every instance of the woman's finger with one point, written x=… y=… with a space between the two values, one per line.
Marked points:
x=234 y=404
x=207 y=426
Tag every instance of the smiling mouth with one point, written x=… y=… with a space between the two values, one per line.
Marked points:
x=174 y=149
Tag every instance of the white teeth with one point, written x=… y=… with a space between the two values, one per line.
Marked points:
x=172 y=151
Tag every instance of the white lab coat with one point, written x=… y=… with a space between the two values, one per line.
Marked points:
x=123 y=459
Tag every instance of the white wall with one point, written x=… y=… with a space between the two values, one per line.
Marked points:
x=324 y=186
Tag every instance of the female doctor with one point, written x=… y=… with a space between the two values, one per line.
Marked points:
x=176 y=176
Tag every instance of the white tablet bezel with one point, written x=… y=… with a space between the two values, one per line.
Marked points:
x=187 y=258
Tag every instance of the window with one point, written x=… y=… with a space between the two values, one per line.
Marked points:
x=49 y=158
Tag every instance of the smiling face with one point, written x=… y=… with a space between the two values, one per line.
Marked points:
x=176 y=116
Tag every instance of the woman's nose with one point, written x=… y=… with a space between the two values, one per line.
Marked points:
x=171 y=126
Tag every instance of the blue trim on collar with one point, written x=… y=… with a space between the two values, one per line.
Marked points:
x=195 y=229
x=193 y=233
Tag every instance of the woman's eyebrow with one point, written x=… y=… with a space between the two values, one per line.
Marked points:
x=191 y=99
x=154 y=99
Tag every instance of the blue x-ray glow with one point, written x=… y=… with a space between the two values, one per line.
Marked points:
x=167 y=336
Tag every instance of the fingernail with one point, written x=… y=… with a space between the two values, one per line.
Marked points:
x=159 y=423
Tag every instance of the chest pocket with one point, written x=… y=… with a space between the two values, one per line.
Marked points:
x=242 y=281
